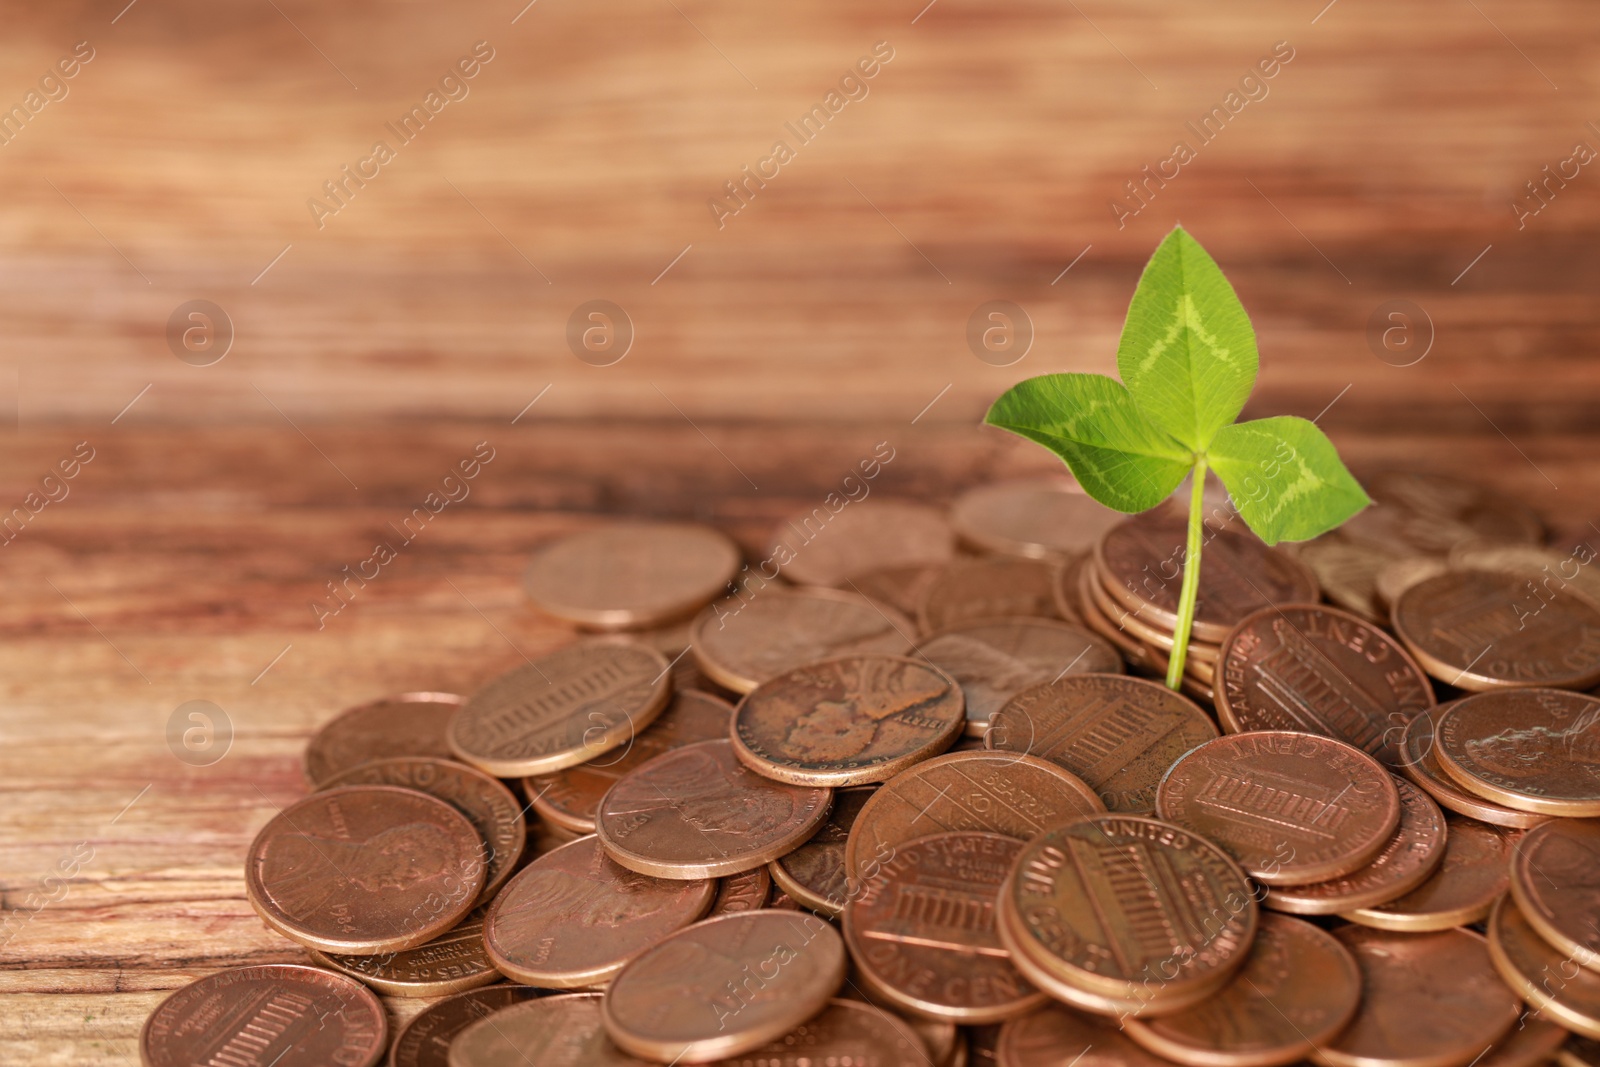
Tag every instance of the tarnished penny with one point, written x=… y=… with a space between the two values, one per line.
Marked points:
x=851 y=720
x=742 y=643
x=365 y=869
x=425 y=1040
x=1409 y=859
x=573 y=918
x=1118 y=734
x=628 y=575
x=1128 y=908
x=995 y=659
x=1471 y=877
x=1140 y=561
x=1297 y=989
x=411 y=724
x=814 y=873
x=493 y=810
x=561 y=709
x=1292 y=808
x=973 y=589
x=1555 y=880
x=1057 y=1036
x=1432 y=513
x=697 y=812
x=1428 y=1000
x=829 y=546
x=898 y=587
x=1005 y=793
x=725 y=986
x=279 y=1013
x=1542 y=974
x=844 y=1034
x=742 y=892
x=1420 y=763
x=922 y=930
x=571 y=797
x=1534 y=750
x=1034 y=518
x=453 y=962
x=1323 y=671
x=559 y=1031
x=1483 y=630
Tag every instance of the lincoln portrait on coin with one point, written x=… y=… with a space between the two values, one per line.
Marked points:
x=1519 y=751
x=305 y=872
x=703 y=793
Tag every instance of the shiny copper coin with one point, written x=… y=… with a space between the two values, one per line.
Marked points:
x=1056 y=1036
x=1140 y=561
x=1297 y=989
x=559 y=1031
x=562 y=709
x=828 y=546
x=1348 y=572
x=742 y=643
x=1323 y=671
x=425 y=1040
x=922 y=931
x=628 y=575
x=1428 y=1000
x=574 y=918
x=453 y=962
x=843 y=1034
x=697 y=812
x=1409 y=859
x=1118 y=734
x=1140 y=657
x=1483 y=630
x=365 y=869
x=973 y=589
x=1420 y=512
x=724 y=986
x=411 y=724
x=278 y=1013
x=1542 y=974
x=848 y=721
x=1555 y=880
x=814 y=873
x=1292 y=808
x=1001 y=792
x=1420 y=763
x=898 y=587
x=1471 y=877
x=1034 y=518
x=569 y=798
x=1535 y=1040
x=1535 y=750
x=493 y=810
x=1129 y=908
x=742 y=892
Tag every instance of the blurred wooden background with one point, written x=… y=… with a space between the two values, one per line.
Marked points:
x=770 y=354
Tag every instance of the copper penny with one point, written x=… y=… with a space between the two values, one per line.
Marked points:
x=697 y=812
x=493 y=810
x=1533 y=1041
x=1348 y=572
x=1057 y=1036
x=1321 y=671
x=628 y=575
x=848 y=721
x=899 y=587
x=559 y=1031
x=742 y=892
x=1297 y=989
x=1401 y=574
x=279 y=1013
x=1409 y=859
x=1292 y=808
x=1534 y=563
x=1034 y=518
x=561 y=709
x=1141 y=658
x=1128 y=908
x=1540 y=973
x=1118 y=734
x=922 y=930
x=1428 y=1000
x=1421 y=512
x=724 y=986
x=942 y=1038
x=829 y=546
x=814 y=873
x=1140 y=561
x=365 y=869
x=1420 y=763
x=411 y=724
x=453 y=962
x=742 y=643
x=570 y=797
x=1001 y=792
x=844 y=1034
x=1474 y=873
x=1535 y=750
x=1555 y=879
x=1141 y=624
x=425 y=1040
x=974 y=589
x=1483 y=630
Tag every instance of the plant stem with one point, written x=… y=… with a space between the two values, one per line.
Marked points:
x=1191 y=576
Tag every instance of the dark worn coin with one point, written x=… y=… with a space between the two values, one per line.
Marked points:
x=1420 y=512
x=1555 y=880
x=1543 y=975
x=425 y=1040
x=411 y=724
x=559 y=1031
x=742 y=892
x=365 y=869
x=1034 y=518
x=1472 y=876
x=1420 y=763
x=1535 y=750
x=453 y=962
x=814 y=873
x=974 y=589
x=1579 y=1051
x=278 y=1013
x=831 y=545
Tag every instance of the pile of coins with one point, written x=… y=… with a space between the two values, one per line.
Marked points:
x=907 y=790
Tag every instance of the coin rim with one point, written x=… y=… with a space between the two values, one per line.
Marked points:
x=448 y=700
x=1523 y=895
x=1498 y=794
x=1526 y=988
x=395 y=987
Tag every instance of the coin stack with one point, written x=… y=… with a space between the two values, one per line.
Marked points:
x=906 y=790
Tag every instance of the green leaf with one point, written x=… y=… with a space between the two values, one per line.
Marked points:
x=1285 y=478
x=1092 y=423
x=1187 y=354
